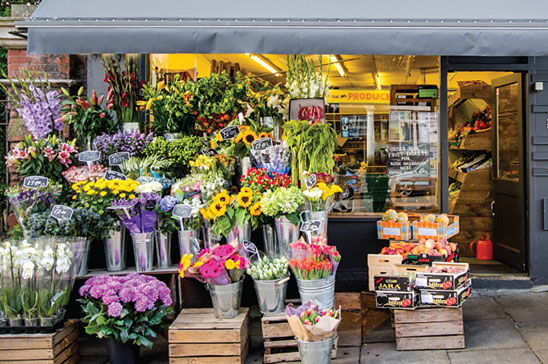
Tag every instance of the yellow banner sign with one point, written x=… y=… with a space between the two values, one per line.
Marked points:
x=358 y=97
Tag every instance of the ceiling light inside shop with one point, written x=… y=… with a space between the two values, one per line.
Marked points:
x=378 y=81
x=263 y=62
x=337 y=62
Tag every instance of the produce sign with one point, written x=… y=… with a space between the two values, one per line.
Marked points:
x=110 y=175
x=445 y=298
x=209 y=152
x=250 y=247
x=310 y=181
x=394 y=283
x=183 y=211
x=403 y=300
x=35 y=182
x=230 y=132
x=262 y=144
x=89 y=156
x=117 y=159
x=311 y=225
x=443 y=276
x=61 y=212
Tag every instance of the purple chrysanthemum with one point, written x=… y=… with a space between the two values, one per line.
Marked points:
x=107 y=300
x=115 y=309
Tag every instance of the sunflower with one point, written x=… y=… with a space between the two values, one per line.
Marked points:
x=239 y=136
x=244 y=199
x=222 y=197
x=255 y=209
x=246 y=190
x=249 y=137
x=263 y=135
x=205 y=214
x=218 y=209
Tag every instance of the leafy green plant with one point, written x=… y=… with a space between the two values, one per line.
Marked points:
x=178 y=152
x=136 y=167
x=123 y=89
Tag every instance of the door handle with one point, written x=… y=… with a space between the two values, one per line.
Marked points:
x=493 y=208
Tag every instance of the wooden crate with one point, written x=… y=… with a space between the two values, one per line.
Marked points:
x=59 y=347
x=430 y=328
x=197 y=336
x=279 y=342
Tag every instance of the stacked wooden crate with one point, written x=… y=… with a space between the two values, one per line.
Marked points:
x=381 y=265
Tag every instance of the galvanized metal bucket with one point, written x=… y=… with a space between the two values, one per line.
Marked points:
x=80 y=248
x=240 y=233
x=226 y=299
x=163 y=250
x=269 y=239
x=115 y=250
x=188 y=242
x=320 y=216
x=321 y=291
x=210 y=238
x=143 y=251
x=271 y=295
x=316 y=352
x=287 y=233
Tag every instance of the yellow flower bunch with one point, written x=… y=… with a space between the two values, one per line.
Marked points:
x=217 y=207
x=98 y=194
x=328 y=191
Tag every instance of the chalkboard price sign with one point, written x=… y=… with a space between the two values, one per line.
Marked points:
x=262 y=144
x=182 y=211
x=310 y=181
x=209 y=152
x=61 y=212
x=230 y=132
x=117 y=159
x=250 y=247
x=89 y=156
x=110 y=175
x=35 y=181
x=310 y=226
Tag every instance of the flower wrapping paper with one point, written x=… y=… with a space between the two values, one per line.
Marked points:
x=324 y=329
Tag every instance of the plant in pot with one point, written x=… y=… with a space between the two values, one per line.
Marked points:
x=187 y=191
x=213 y=173
x=318 y=204
x=275 y=159
x=222 y=269
x=270 y=276
x=219 y=214
x=123 y=91
x=283 y=205
x=87 y=117
x=315 y=265
x=126 y=310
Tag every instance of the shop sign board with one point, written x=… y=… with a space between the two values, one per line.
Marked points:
x=358 y=97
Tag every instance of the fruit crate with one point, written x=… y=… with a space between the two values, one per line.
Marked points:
x=279 y=341
x=429 y=329
x=197 y=336
x=381 y=265
x=436 y=230
x=394 y=230
x=58 y=347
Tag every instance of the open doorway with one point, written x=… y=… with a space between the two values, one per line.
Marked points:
x=486 y=179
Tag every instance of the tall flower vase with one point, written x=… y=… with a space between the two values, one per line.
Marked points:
x=240 y=233
x=271 y=295
x=115 y=250
x=210 y=238
x=321 y=216
x=163 y=250
x=270 y=241
x=188 y=242
x=143 y=251
x=287 y=233
x=129 y=127
x=80 y=248
x=119 y=353
x=320 y=290
x=226 y=299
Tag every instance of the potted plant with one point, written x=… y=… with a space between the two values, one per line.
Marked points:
x=318 y=204
x=187 y=191
x=270 y=276
x=166 y=225
x=284 y=204
x=125 y=310
x=314 y=265
x=222 y=269
x=178 y=152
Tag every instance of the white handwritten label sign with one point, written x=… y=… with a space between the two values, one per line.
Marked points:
x=182 y=211
x=262 y=144
x=310 y=181
x=209 y=152
x=310 y=226
x=110 y=175
x=89 y=156
x=35 y=181
x=61 y=212
x=250 y=247
x=230 y=132
x=117 y=159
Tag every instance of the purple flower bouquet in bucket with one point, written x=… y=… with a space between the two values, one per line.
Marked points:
x=126 y=310
x=139 y=216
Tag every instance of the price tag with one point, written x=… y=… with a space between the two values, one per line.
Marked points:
x=117 y=159
x=250 y=247
x=89 y=156
x=61 y=212
x=182 y=210
x=230 y=132
x=35 y=181
x=310 y=226
x=110 y=175
x=209 y=152
x=310 y=181
x=262 y=144
x=427 y=231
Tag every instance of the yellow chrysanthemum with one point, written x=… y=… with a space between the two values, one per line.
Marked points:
x=122 y=195
x=131 y=197
x=222 y=197
x=102 y=194
x=115 y=192
x=229 y=264
x=186 y=259
x=212 y=144
x=91 y=192
x=86 y=188
x=74 y=197
x=249 y=137
x=255 y=209
x=244 y=199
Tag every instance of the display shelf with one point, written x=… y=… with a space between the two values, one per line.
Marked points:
x=480 y=141
x=174 y=269
x=482 y=92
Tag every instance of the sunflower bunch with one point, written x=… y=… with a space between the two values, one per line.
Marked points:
x=248 y=207
x=97 y=195
x=220 y=212
x=241 y=144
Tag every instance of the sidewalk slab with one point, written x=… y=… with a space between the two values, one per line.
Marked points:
x=350 y=355
x=536 y=337
x=492 y=334
x=350 y=329
x=482 y=308
x=512 y=356
x=383 y=353
x=527 y=309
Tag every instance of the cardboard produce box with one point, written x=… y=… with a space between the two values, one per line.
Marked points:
x=445 y=298
x=399 y=300
x=443 y=281
x=435 y=230
x=394 y=230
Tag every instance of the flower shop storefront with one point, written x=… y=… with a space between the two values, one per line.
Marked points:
x=377 y=99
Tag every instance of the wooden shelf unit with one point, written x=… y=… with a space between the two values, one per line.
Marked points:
x=481 y=141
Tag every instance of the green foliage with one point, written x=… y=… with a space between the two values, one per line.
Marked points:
x=136 y=167
x=178 y=152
